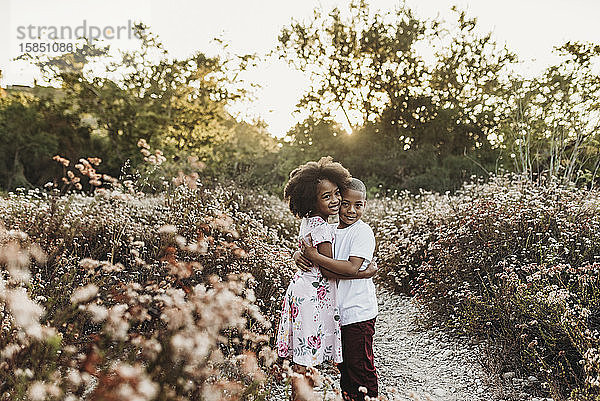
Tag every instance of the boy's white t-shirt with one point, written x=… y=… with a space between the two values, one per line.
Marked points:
x=356 y=297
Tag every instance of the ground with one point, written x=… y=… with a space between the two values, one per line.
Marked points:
x=426 y=364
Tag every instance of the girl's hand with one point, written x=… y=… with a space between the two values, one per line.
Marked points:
x=370 y=271
x=302 y=263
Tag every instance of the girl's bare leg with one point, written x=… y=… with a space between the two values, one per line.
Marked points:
x=297 y=382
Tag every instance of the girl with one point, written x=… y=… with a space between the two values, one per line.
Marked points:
x=309 y=325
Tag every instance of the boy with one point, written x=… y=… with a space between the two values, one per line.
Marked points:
x=353 y=250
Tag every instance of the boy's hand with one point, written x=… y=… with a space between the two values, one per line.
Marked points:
x=302 y=263
x=308 y=251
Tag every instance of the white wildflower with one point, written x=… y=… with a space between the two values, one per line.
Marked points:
x=25 y=312
x=98 y=312
x=167 y=229
x=110 y=267
x=74 y=377
x=37 y=391
x=116 y=322
x=9 y=351
x=89 y=264
x=84 y=294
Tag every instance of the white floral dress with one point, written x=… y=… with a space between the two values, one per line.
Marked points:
x=309 y=325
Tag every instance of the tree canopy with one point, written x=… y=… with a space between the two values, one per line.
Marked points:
x=429 y=104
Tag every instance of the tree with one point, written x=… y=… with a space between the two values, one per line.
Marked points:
x=33 y=130
x=175 y=105
x=369 y=66
x=360 y=64
x=552 y=123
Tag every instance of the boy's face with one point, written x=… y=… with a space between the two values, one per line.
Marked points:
x=352 y=207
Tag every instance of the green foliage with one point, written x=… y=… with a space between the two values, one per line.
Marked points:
x=418 y=119
x=354 y=62
x=175 y=105
x=33 y=130
x=249 y=156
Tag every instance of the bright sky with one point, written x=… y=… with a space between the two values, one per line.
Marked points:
x=529 y=27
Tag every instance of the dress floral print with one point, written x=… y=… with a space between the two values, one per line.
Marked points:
x=309 y=325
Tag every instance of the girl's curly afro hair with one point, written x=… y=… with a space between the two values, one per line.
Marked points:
x=301 y=190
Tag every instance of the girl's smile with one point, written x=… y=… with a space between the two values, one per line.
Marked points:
x=328 y=199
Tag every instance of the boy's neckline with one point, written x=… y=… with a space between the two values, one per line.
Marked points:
x=343 y=228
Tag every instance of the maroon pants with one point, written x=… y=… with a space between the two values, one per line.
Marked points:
x=358 y=367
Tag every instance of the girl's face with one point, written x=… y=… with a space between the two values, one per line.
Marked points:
x=328 y=199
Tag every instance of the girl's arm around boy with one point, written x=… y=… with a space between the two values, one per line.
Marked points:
x=332 y=268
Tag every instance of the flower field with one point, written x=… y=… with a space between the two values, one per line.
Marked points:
x=512 y=264
x=118 y=297
x=174 y=296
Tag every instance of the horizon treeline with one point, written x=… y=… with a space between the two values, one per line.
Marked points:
x=430 y=104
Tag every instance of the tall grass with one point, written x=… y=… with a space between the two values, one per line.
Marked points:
x=139 y=297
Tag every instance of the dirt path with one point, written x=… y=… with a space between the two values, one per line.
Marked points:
x=427 y=364
x=424 y=364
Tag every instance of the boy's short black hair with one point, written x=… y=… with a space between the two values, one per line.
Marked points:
x=301 y=190
x=356 y=185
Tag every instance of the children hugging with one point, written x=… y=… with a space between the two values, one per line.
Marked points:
x=329 y=308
